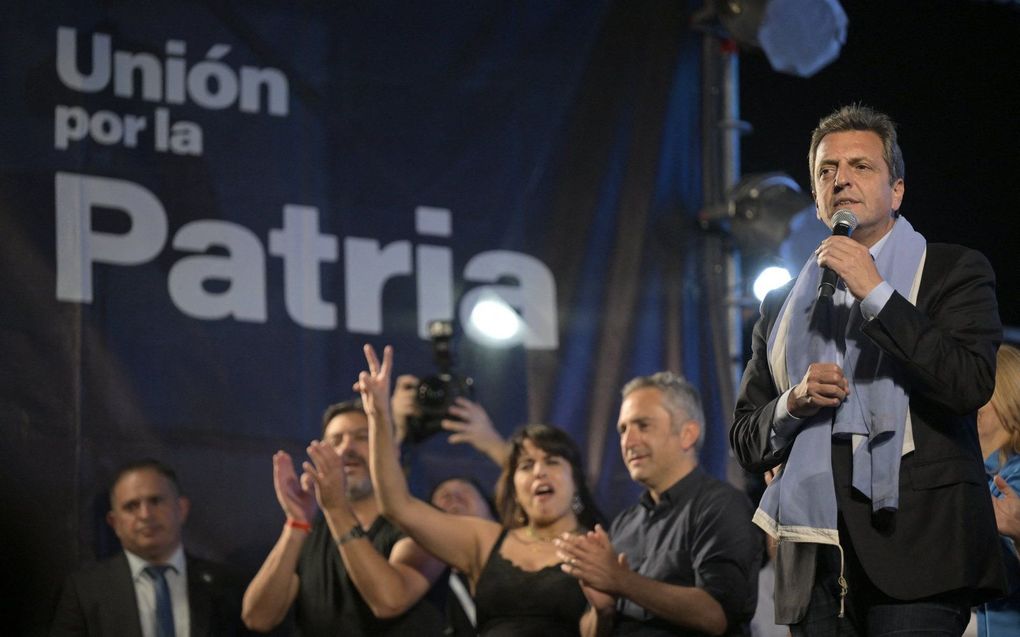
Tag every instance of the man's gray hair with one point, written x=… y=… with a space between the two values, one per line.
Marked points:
x=682 y=400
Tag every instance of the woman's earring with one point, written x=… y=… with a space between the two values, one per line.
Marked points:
x=576 y=505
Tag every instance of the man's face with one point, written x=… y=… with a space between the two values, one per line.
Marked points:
x=461 y=498
x=653 y=452
x=850 y=173
x=147 y=514
x=348 y=435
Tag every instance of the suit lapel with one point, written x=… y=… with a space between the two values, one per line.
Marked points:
x=121 y=601
x=199 y=599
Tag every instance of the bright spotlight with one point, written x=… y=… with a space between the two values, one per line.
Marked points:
x=770 y=279
x=494 y=320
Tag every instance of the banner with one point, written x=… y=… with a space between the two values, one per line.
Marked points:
x=207 y=209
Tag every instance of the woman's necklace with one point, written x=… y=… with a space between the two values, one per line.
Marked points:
x=534 y=542
x=530 y=531
x=537 y=538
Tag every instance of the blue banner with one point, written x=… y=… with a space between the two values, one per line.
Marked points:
x=207 y=209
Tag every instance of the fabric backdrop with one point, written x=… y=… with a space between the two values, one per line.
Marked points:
x=207 y=208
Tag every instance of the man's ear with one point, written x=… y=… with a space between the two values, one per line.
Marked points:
x=109 y=519
x=183 y=508
x=690 y=431
x=898 y=189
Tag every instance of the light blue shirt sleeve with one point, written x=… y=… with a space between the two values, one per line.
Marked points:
x=876 y=300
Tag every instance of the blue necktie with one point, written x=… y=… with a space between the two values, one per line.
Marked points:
x=164 y=609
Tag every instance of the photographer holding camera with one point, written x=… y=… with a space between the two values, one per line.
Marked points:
x=467 y=420
x=422 y=408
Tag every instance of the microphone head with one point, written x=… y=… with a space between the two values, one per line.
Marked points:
x=845 y=218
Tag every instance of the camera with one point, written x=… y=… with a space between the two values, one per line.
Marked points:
x=437 y=392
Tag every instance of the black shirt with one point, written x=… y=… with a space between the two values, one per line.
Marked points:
x=513 y=602
x=699 y=534
x=328 y=603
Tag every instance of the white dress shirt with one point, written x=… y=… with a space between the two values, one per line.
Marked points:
x=145 y=593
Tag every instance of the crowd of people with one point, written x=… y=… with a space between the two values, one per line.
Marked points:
x=870 y=409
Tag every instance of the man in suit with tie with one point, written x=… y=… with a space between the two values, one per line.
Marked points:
x=867 y=398
x=152 y=588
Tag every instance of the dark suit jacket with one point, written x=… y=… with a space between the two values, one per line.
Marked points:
x=943 y=536
x=100 y=600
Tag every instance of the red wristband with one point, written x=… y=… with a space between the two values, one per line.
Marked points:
x=298 y=524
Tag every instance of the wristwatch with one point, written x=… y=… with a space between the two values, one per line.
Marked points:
x=355 y=532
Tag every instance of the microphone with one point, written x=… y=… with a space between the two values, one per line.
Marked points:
x=843 y=223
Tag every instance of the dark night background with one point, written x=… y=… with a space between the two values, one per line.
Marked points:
x=946 y=71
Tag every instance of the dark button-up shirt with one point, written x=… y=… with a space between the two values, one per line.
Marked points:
x=698 y=534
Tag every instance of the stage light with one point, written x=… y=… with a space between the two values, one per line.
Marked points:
x=757 y=215
x=799 y=37
x=757 y=212
x=494 y=322
x=769 y=279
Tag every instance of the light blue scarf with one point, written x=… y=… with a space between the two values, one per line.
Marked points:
x=800 y=504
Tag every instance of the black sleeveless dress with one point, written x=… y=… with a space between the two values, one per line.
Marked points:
x=512 y=602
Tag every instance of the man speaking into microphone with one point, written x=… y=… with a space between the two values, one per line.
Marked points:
x=843 y=223
x=866 y=374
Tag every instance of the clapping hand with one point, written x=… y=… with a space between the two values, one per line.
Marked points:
x=325 y=473
x=1007 y=510
x=592 y=559
x=295 y=496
